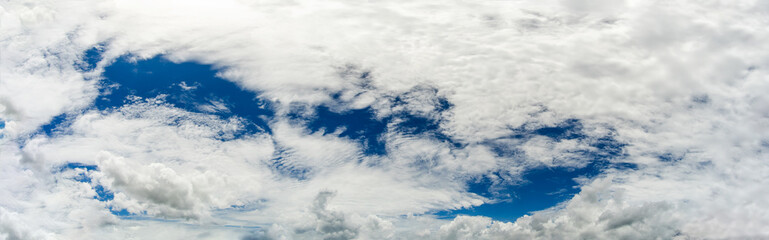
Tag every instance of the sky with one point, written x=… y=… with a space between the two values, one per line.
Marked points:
x=336 y=119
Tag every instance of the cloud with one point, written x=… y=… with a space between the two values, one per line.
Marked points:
x=331 y=224
x=43 y=64
x=12 y=228
x=167 y=193
x=680 y=86
x=45 y=205
x=595 y=213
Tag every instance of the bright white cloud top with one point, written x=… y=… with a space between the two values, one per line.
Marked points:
x=384 y=119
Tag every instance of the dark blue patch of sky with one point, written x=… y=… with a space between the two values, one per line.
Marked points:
x=541 y=187
x=190 y=86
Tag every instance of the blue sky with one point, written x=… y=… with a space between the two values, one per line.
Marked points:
x=383 y=120
x=191 y=86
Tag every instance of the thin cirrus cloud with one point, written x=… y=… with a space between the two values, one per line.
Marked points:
x=379 y=120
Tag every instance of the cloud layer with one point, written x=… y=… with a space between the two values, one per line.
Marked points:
x=381 y=114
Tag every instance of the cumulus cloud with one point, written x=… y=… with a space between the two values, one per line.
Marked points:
x=330 y=223
x=167 y=193
x=12 y=227
x=596 y=213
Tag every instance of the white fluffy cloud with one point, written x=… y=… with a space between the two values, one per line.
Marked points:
x=596 y=213
x=680 y=85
